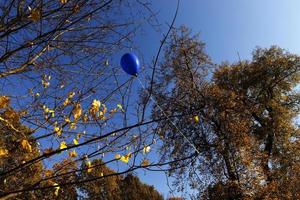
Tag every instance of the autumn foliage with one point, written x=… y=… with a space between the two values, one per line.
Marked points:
x=245 y=134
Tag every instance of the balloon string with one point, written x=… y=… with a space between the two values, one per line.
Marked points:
x=155 y=102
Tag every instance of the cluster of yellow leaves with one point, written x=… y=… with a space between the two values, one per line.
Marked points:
x=57 y=130
x=26 y=145
x=4 y=101
x=3 y=152
x=73 y=154
x=146 y=149
x=45 y=81
x=63 y=145
x=48 y=111
x=77 y=111
x=95 y=110
x=69 y=98
x=124 y=158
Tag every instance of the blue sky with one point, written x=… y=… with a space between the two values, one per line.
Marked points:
x=228 y=27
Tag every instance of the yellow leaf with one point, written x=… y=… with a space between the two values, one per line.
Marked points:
x=73 y=154
x=196 y=119
x=85 y=118
x=101 y=174
x=77 y=111
x=104 y=109
x=66 y=102
x=26 y=145
x=75 y=141
x=58 y=130
x=120 y=107
x=89 y=166
x=45 y=83
x=117 y=156
x=56 y=189
x=63 y=145
x=71 y=95
x=101 y=115
x=94 y=109
x=125 y=158
x=145 y=162
x=146 y=149
x=4 y=101
x=96 y=103
x=67 y=120
x=73 y=125
x=63 y=1
x=3 y=152
x=48 y=173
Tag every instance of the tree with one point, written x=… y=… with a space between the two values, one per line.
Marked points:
x=105 y=188
x=16 y=147
x=240 y=126
x=115 y=186
x=132 y=188
x=57 y=68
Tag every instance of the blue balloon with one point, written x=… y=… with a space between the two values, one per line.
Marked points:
x=130 y=63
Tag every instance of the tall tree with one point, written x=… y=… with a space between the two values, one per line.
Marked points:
x=241 y=124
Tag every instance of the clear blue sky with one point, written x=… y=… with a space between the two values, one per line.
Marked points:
x=227 y=27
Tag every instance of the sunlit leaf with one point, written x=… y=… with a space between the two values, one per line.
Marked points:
x=196 y=119
x=67 y=120
x=120 y=107
x=75 y=141
x=66 y=102
x=63 y=145
x=117 y=156
x=89 y=166
x=57 y=130
x=146 y=149
x=125 y=158
x=145 y=162
x=26 y=145
x=3 y=152
x=4 y=101
x=63 y=1
x=77 y=111
x=73 y=154
x=57 y=187
x=71 y=95
x=45 y=83
x=72 y=125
